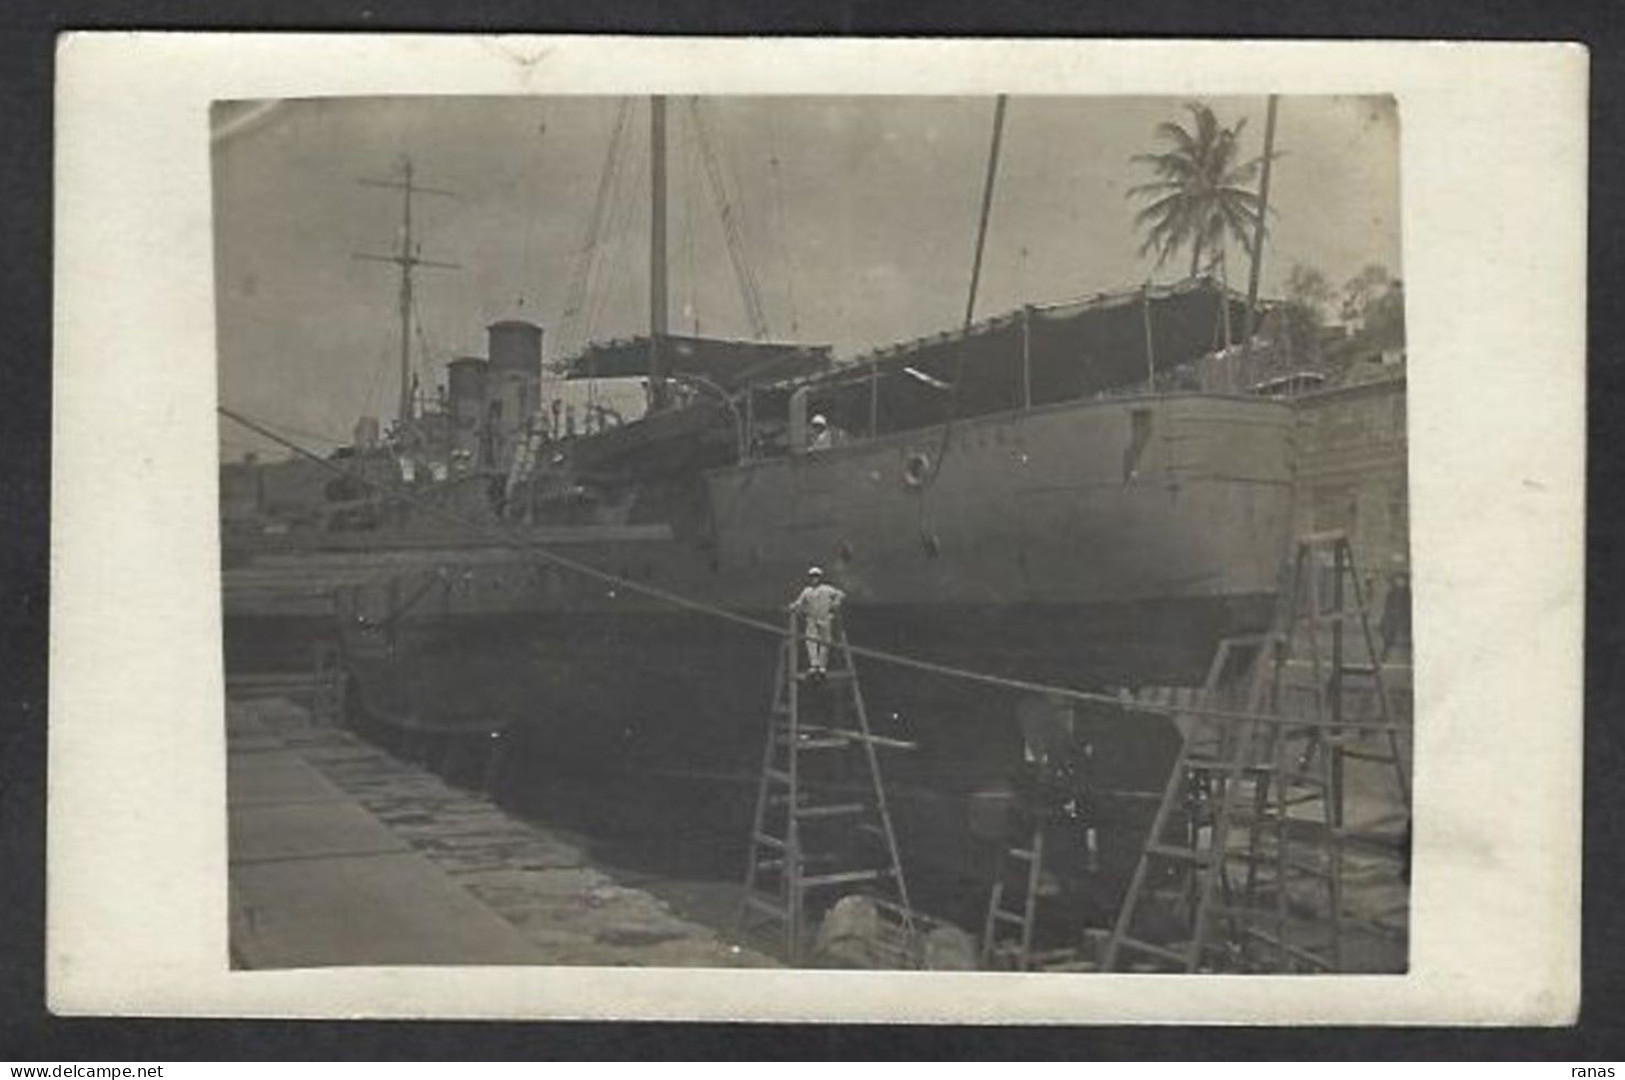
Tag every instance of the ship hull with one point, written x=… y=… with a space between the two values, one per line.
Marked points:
x=1097 y=545
x=619 y=707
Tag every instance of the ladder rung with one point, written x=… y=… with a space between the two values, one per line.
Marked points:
x=770 y=841
x=1218 y=765
x=1366 y=755
x=801 y=729
x=780 y=863
x=1322 y=539
x=1388 y=843
x=831 y=810
x=778 y=774
x=876 y=740
x=1021 y=853
x=828 y=742
x=1009 y=916
x=1154 y=950
x=843 y=878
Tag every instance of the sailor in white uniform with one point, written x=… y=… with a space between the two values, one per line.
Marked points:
x=822 y=436
x=818 y=604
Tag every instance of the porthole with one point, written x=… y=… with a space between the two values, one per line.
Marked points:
x=916 y=469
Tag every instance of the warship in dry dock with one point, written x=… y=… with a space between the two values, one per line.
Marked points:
x=1049 y=495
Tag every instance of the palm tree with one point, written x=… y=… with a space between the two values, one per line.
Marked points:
x=1198 y=198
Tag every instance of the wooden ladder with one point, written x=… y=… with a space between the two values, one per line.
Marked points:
x=1007 y=933
x=1220 y=769
x=1275 y=770
x=797 y=843
x=1301 y=829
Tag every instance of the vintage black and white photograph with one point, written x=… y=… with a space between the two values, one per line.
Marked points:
x=903 y=533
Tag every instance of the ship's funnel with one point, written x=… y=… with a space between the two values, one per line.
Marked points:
x=465 y=379
x=515 y=345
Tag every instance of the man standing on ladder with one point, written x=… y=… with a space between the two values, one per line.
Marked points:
x=818 y=604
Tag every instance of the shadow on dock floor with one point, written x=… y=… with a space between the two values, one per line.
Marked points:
x=341 y=854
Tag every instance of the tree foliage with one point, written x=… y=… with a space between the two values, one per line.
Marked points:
x=1385 y=317
x=1371 y=304
x=1374 y=301
x=1363 y=289
x=1200 y=195
x=1309 y=289
x=1304 y=314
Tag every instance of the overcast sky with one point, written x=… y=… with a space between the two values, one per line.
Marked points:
x=860 y=235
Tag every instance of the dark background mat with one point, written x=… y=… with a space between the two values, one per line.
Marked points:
x=27 y=1032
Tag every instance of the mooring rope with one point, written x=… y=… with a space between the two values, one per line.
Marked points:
x=512 y=538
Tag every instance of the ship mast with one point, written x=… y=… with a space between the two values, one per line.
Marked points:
x=408 y=260
x=1258 y=238
x=657 y=252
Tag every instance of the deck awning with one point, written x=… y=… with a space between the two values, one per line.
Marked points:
x=1046 y=353
x=730 y=364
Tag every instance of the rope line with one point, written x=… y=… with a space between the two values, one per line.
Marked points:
x=526 y=545
x=586 y=254
x=625 y=219
x=783 y=231
x=732 y=230
x=963 y=343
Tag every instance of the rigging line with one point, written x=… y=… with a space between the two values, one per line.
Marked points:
x=750 y=293
x=970 y=300
x=589 y=254
x=426 y=350
x=624 y=221
x=691 y=277
x=611 y=238
x=631 y=222
x=586 y=255
x=784 y=233
x=510 y=538
x=727 y=165
x=987 y=206
x=729 y=174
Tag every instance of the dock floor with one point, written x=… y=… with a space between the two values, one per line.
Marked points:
x=341 y=854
